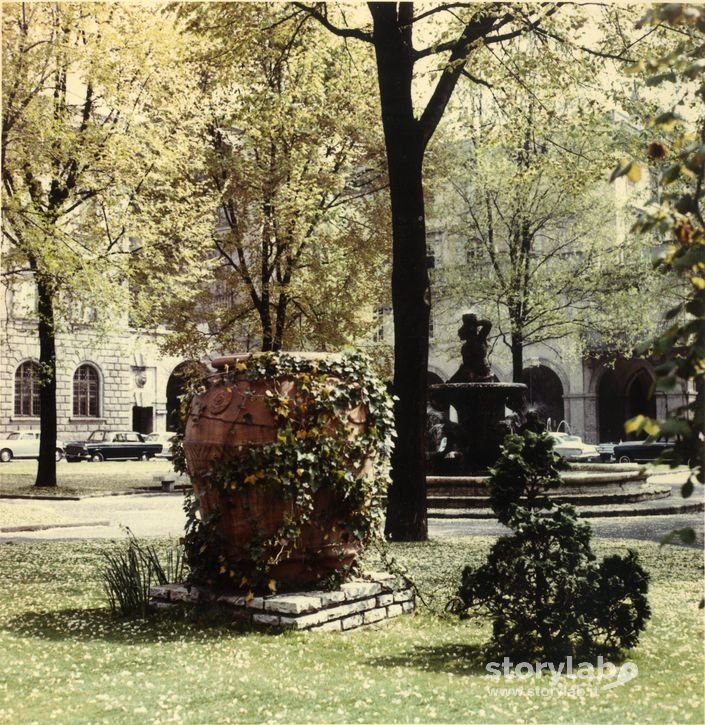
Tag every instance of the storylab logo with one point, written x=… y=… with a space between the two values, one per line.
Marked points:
x=603 y=675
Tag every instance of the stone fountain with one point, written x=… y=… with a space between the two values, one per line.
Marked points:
x=460 y=452
x=486 y=409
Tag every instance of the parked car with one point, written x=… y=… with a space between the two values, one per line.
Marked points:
x=573 y=449
x=166 y=440
x=102 y=445
x=606 y=451
x=24 y=444
x=643 y=451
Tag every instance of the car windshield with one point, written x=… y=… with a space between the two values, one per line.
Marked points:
x=97 y=435
x=13 y=436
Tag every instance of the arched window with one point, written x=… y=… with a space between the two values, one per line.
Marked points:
x=86 y=392
x=27 y=389
x=545 y=393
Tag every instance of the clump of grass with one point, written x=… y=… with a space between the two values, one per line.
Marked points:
x=131 y=570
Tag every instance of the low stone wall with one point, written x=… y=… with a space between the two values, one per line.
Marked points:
x=355 y=604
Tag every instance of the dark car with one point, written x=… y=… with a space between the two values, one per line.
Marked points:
x=102 y=445
x=643 y=451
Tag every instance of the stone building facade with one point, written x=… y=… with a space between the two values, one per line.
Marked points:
x=122 y=380
x=117 y=379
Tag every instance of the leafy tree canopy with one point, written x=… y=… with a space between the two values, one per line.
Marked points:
x=294 y=163
x=541 y=237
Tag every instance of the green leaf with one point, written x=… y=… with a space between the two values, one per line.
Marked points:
x=633 y=424
x=643 y=347
x=696 y=307
x=671 y=174
x=694 y=69
x=634 y=172
x=674 y=427
x=641 y=423
x=624 y=170
x=666 y=383
x=673 y=312
x=667 y=121
x=659 y=78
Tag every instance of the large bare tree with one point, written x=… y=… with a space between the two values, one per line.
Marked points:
x=451 y=35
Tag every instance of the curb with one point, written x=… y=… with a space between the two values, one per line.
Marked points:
x=584 y=513
x=145 y=491
x=44 y=527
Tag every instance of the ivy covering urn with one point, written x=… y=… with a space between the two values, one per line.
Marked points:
x=289 y=458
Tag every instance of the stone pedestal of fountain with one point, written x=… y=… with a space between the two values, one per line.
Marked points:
x=482 y=409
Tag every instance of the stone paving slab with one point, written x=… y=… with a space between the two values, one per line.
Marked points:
x=352 y=606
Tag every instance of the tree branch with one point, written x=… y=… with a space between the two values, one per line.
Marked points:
x=475 y=79
x=473 y=31
x=322 y=18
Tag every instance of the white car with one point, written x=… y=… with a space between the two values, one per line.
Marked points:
x=572 y=448
x=24 y=444
x=166 y=439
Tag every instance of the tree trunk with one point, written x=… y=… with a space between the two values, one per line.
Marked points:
x=406 y=508
x=46 y=470
x=265 y=318
x=280 y=324
x=406 y=512
x=517 y=356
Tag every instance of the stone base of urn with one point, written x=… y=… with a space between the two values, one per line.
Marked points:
x=354 y=605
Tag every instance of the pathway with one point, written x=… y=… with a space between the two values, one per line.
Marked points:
x=161 y=514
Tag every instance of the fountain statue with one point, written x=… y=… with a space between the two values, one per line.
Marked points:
x=475 y=367
x=487 y=410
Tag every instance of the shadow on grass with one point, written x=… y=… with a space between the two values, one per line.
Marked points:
x=456 y=659
x=99 y=624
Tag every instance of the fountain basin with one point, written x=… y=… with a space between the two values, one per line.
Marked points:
x=582 y=485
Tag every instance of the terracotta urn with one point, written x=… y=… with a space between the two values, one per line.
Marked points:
x=295 y=531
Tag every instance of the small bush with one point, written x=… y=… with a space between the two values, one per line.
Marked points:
x=527 y=469
x=545 y=592
x=131 y=570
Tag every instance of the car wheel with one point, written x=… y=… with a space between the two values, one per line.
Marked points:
x=625 y=459
x=97 y=458
x=59 y=454
x=143 y=457
x=5 y=455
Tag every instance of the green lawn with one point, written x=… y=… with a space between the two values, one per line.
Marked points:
x=82 y=479
x=65 y=659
